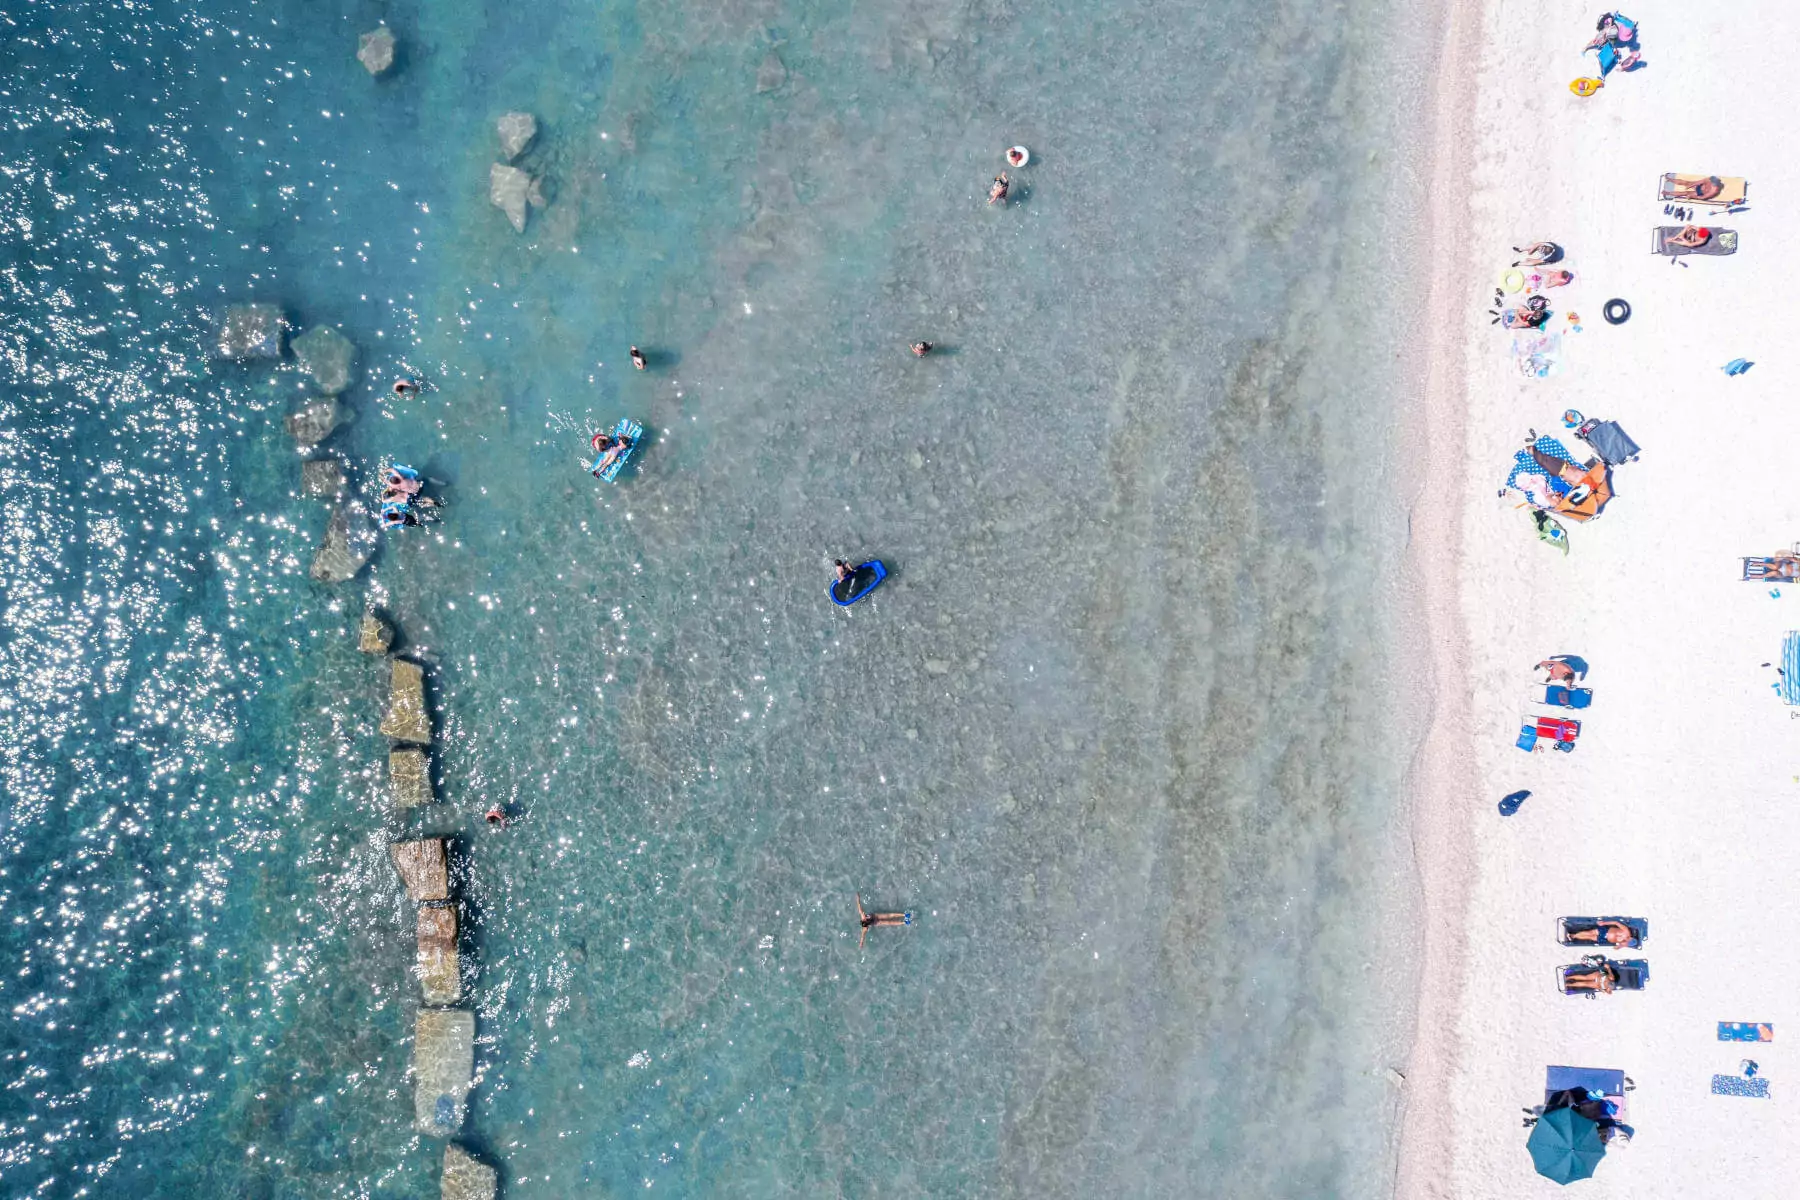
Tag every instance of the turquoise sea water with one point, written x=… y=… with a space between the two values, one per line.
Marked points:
x=1115 y=730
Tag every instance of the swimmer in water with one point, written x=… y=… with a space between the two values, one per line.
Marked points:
x=997 y=193
x=637 y=359
x=609 y=448
x=867 y=919
x=496 y=816
x=921 y=348
x=406 y=385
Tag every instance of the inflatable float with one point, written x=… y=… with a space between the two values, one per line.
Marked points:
x=865 y=579
x=1017 y=156
x=633 y=433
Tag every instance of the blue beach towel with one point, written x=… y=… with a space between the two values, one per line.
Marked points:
x=1524 y=464
x=1746 y=1031
x=1737 y=1085
x=1789 y=685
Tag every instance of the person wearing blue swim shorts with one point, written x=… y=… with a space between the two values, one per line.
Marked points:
x=866 y=919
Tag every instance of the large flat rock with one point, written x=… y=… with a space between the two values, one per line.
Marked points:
x=375 y=50
x=424 y=868
x=337 y=559
x=322 y=477
x=443 y=1069
x=439 y=966
x=328 y=356
x=374 y=635
x=516 y=130
x=409 y=777
x=316 y=420
x=407 y=719
x=509 y=189
x=466 y=1178
x=250 y=331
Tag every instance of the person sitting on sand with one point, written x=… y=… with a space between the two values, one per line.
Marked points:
x=1596 y=977
x=997 y=193
x=1530 y=315
x=1538 y=253
x=1692 y=236
x=866 y=919
x=1614 y=933
x=609 y=448
x=1700 y=189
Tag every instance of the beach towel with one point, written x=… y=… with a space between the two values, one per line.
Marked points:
x=1537 y=355
x=1789 y=681
x=1746 y=1031
x=1723 y=241
x=1732 y=193
x=1524 y=464
x=1736 y=1085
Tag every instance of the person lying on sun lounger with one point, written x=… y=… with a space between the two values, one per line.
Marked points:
x=1706 y=188
x=1613 y=933
x=1598 y=977
x=1692 y=236
x=1784 y=566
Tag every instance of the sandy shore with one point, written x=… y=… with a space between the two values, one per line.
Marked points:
x=1679 y=803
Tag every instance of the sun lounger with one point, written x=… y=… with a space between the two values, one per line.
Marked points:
x=1559 y=732
x=1746 y=1031
x=1633 y=974
x=1558 y=696
x=1722 y=241
x=1733 y=193
x=1611 y=1084
x=1754 y=1088
x=1565 y=926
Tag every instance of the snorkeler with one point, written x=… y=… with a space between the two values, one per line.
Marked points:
x=997 y=193
x=637 y=359
x=867 y=919
x=609 y=448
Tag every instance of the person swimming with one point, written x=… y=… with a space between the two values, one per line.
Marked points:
x=638 y=360
x=609 y=448
x=922 y=348
x=869 y=919
x=997 y=193
x=406 y=385
x=496 y=816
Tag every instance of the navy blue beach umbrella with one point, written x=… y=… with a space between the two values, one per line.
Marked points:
x=1565 y=1146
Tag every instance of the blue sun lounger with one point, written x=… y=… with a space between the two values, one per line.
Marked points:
x=1633 y=974
x=1611 y=1084
x=1559 y=696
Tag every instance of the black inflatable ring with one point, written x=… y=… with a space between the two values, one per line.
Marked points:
x=1617 y=312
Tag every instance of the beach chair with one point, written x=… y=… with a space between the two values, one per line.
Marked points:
x=1556 y=733
x=1732 y=189
x=1612 y=1085
x=1723 y=241
x=1566 y=926
x=1556 y=695
x=1633 y=974
x=1769 y=566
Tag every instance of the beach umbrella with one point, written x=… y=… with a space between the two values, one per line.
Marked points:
x=1565 y=1146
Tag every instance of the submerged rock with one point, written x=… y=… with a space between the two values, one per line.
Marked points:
x=409 y=777
x=337 y=561
x=407 y=720
x=328 y=356
x=322 y=477
x=466 y=1178
x=443 y=1064
x=772 y=74
x=316 y=420
x=251 y=331
x=374 y=635
x=375 y=50
x=424 y=868
x=439 y=966
x=509 y=189
x=516 y=129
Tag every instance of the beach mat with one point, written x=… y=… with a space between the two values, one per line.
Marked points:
x=1723 y=241
x=1756 y=1088
x=1735 y=189
x=1746 y=1031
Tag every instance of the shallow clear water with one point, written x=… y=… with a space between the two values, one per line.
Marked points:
x=1112 y=730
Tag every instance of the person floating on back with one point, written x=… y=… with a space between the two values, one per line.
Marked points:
x=866 y=919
